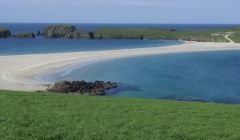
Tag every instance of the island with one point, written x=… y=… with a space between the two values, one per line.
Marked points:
x=210 y=35
x=63 y=31
x=71 y=32
x=5 y=33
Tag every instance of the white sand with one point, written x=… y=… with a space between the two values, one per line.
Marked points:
x=17 y=72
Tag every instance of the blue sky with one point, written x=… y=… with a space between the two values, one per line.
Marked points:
x=121 y=11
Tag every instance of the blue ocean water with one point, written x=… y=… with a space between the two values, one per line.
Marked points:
x=15 y=46
x=43 y=45
x=205 y=76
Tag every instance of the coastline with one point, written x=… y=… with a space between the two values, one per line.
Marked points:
x=19 y=72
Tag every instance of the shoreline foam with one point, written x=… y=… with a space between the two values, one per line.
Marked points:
x=18 y=71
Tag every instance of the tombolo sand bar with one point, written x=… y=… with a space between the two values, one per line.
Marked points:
x=18 y=71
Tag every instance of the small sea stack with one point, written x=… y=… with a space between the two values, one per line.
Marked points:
x=63 y=31
x=5 y=33
x=56 y=31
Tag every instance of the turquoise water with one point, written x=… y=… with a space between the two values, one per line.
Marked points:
x=42 y=45
x=205 y=76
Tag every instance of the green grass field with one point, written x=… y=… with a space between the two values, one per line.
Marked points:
x=35 y=116
x=190 y=35
x=236 y=37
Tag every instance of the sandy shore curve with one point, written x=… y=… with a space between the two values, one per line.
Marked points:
x=17 y=72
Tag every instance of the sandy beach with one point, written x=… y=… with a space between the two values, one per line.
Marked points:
x=18 y=71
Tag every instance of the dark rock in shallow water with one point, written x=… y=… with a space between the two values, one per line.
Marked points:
x=38 y=33
x=191 y=99
x=187 y=99
x=97 y=88
x=5 y=33
x=56 y=31
x=91 y=35
x=25 y=35
x=122 y=87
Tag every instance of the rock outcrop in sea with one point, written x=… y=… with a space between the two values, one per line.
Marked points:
x=5 y=33
x=97 y=88
x=64 y=31
x=56 y=31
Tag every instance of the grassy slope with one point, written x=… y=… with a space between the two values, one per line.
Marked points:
x=29 y=116
x=236 y=37
x=196 y=35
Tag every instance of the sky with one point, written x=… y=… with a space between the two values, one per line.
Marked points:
x=121 y=11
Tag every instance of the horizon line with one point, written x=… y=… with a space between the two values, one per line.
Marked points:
x=118 y=23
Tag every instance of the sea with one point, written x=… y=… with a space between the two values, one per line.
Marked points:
x=199 y=76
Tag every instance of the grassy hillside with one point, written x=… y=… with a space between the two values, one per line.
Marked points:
x=70 y=32
x=236 y=37
x=190 y=35
x=34 y=116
